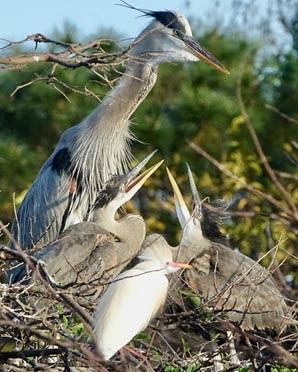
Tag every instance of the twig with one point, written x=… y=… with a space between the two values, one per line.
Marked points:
x=4 y=355
x=284 y=116
x=228 y=173
x=260 y=151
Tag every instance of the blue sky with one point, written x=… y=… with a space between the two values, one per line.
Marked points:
x=22 y=18
x=34 y=16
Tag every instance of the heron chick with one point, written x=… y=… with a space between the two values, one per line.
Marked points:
x=226 y=279
x=89 y=248
x=134 y=297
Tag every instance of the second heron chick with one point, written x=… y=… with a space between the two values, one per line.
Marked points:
x=226 y=279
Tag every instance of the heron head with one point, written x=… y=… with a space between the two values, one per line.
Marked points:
x=168 y=38
x=158 y=254
x=190 y=222
x=121 y=188
x=204 y=220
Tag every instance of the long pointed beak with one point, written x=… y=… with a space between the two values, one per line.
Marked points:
x=193 y=187
x=138 y=182
x=179 y=265
x=135 y=181
x=200 y=52
x=137 y=169
x=181 y=208
x=197 y=211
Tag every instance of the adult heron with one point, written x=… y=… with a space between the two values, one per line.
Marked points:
x=134 y=297
x=226 y=279
x=89 y=153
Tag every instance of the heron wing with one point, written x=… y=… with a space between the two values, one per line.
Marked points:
x=241 y=287
x=127 y=307
x=50 y=205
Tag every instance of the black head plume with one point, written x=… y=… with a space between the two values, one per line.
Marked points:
x=166 y=17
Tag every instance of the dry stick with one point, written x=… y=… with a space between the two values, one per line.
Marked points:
x=228 y=173
x=43 y=276
x=50 y=339
x=286 y=175
x=260 y=151
x=4 y=355
x=272 y=346
x=66 y=57
x=284 y=116
x=277 y=274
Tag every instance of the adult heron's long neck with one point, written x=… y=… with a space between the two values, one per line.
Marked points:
x=103 y=138
x=122 y=101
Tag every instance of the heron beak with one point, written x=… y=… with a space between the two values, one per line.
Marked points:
x=179 y=265
x=135 y=181
x=202 y=54
x=181 y=208
x=138 y=182
x=193 y=187
x=197 y=211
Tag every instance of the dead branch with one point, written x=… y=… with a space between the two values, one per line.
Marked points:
x=261 y=153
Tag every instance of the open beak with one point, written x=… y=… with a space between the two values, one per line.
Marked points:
x=193 y=187
x=200 y=52
x=134 y=181
x=181 y=208
x=179 y=265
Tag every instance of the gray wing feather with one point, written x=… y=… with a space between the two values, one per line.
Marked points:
x=241 y=287
x=40 y=214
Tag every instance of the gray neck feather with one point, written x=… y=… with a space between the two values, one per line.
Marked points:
x=101 y=144
x=130 y=229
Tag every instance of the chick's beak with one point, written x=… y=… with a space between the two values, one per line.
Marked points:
x=134 y=181
x=137 y=182
x=180 y=205
x=202 y=54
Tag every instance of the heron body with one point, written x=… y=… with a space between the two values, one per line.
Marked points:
x=240 y=287
x=134 y=298
x=89 y=153
x=226 y=279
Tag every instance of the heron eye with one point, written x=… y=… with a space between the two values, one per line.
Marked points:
x=178 y=33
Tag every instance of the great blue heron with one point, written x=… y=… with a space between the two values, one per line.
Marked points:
x=89 y=153
x=134 y=297
x=226 y=279
x=91 y=248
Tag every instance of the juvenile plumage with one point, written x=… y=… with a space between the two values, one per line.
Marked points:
x=90 y=248
x=226 y=279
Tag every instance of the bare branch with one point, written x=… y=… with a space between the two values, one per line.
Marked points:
x=260 y=151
